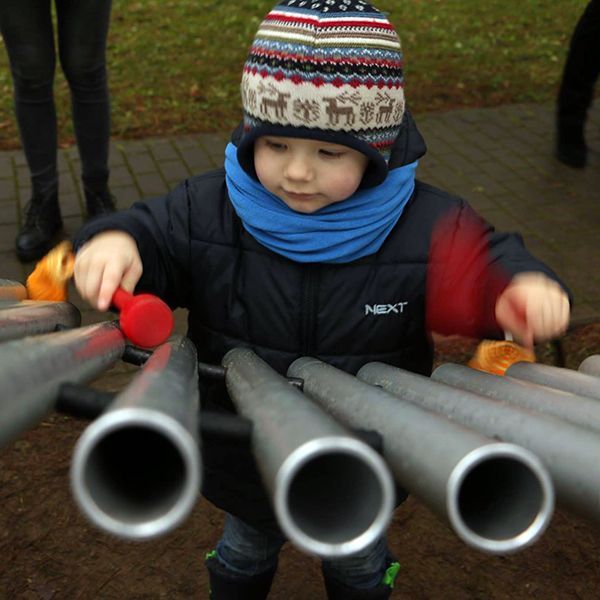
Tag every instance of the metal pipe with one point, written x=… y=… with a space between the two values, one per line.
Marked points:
x=332 y=494
x=136 y=469
x=570 y=453
x=32 y=370
x=591 y=365
x=577 y=410
x=12 y=290
x=497 y=497
x=558 y=378
x=32 y=317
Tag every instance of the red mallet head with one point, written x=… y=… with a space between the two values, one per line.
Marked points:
x=463 y=281
x=145 y=319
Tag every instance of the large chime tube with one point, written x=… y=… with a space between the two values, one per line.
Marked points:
x=32 y=370
x=567 y=380
x=578 y=410
x=136 y=469
x=570 y=453
x=32 y=317
x=591 y=365
x=332 y=493
x=496 y=496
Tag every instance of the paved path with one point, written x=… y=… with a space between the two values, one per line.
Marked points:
x=500 y=159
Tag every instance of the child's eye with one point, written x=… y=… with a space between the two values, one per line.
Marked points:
x=331 y=153
x=275 y=145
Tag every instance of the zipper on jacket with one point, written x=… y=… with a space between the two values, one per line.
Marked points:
x=310 y=289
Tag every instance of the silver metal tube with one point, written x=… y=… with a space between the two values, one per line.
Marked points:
x=555 y=377
x=497 y=497
x=591 y=365
x=332 y=494
x=136 y=469
x=32 y=317
x=12 y=290
x=32 y=370
x=570 y=453
x=577 y=410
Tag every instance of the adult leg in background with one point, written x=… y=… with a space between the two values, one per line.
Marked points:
x=82 y=33
x=576 y=93
x=26 y=27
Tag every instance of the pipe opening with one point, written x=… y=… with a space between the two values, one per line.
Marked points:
x=335 y=497
x=135 y=474
x=500 y=498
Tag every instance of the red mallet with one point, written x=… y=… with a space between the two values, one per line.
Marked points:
x=145 y=319
x=463 y=282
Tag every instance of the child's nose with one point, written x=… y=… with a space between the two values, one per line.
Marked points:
x=298 y=168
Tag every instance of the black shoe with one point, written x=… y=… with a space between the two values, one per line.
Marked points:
x=573 y=155
x=571 y=148
x=99 y=203
x=225 y=585
x=40 y=233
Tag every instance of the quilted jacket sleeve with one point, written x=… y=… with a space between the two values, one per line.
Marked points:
x=160 y=227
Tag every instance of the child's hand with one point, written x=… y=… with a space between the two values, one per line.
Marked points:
x=107 y=261
x=533 y=308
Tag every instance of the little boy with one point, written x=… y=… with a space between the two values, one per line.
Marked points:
x=315 y=218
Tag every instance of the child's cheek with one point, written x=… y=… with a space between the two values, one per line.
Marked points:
x=344 y=184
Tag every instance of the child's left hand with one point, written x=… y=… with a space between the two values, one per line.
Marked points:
x=533 y=308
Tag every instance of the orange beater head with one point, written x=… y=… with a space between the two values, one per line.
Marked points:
x=50 y=278
x=495 y=356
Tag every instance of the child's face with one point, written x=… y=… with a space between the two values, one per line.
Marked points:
x=308 y=174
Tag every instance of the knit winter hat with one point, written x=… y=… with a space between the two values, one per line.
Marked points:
x=329 y=70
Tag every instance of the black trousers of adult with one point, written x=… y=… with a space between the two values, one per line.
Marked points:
x=82 y=29
x=582 y=67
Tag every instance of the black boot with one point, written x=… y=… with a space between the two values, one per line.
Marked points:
x=42 y=227
x=225 y=585
x=339 y=591
x=98 y=202
x=571 y=148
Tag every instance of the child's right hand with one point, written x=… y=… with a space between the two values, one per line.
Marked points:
x=107 y=261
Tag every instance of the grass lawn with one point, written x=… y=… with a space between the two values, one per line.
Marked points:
x=175 y=65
